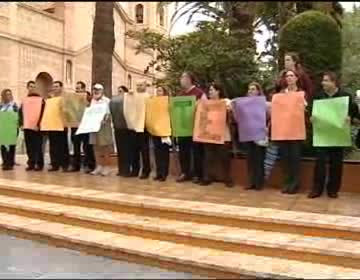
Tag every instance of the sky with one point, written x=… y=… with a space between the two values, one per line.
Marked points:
x=180 y=27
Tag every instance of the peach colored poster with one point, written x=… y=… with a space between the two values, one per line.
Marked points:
x=157 y=119
x=288 y=116
x=52 y=119
x=31 y=107
x=210 y=122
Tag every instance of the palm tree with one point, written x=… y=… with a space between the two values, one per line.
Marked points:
x=103 y=43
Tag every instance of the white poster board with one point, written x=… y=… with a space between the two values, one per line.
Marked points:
x=92 y=118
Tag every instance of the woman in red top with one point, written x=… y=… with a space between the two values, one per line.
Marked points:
x=292 y=62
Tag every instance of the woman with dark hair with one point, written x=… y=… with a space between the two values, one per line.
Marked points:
x=290 y=150
x=214 y=153
x=187 y=148
x=161 y=147
x=8 y=153
x=292 y=62
x=255 y=150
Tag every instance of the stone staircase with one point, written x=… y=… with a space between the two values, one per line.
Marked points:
x=213 y=240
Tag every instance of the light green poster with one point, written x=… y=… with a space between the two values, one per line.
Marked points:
x=8 y=128
x=329 y=126
x=182 y=113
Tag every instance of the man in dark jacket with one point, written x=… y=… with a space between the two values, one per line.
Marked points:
x=32 y=135
x=121 y=132
x=335 y=155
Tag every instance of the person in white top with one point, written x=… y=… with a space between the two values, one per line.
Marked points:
x=102 y=140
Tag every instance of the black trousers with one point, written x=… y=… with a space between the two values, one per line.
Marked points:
x=162 y=157
x=290 y=152
x=139 y=149
x=89 y=156
x=59 y=149
x=8 y=155
x=34 y=148
x=189 y=152
x=255 y=164
x=217 y=154
x=334 y=174
x=123 y=146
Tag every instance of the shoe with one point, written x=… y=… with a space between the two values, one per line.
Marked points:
x=204 y=183
x=183 y=178
x=229 y=184
x=157 y=178
x=292 y=191
x=105 y=172
x=314 y=195
x=97 y=171
x=162 y=179
x=88 y=170
x=38 y=168
x=333 y=195
x=196 y=180
x=258 y=188
x=53 y=169
x=73 y=169
x=252 y=187
x=65 y=169
x=284 y=190
x=144 y=176
x=134 y=174
x=29 y=168
x=7 y=168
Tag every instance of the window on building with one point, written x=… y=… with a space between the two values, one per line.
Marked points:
x=139 y=13
x=129 y=81
x=69 y=71
x=161 y=16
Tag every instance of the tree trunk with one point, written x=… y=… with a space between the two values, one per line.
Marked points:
x=103 y=43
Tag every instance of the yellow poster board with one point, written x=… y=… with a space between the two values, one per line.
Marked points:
x=52 y=119
x=157 y=117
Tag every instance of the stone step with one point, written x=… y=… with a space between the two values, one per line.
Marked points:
x=330 y=251
x=266 y=219
x=170 y=255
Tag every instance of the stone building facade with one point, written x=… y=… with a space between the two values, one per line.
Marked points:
x=55 y=37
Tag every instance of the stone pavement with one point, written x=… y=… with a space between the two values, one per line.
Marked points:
x=25 y=259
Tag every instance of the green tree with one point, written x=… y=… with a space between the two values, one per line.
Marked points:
x=103 y=43
x=210 y=52
x=351 y=49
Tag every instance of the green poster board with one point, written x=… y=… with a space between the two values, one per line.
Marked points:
x=182 y=113
x=329 y=126
x=8 y=128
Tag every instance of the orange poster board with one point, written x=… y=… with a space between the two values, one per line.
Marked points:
x=210 y=121
x=157 y=118
x=288 y=116
x=31 y=107
x=52 y=119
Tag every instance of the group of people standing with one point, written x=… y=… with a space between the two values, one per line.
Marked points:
x=196 y=159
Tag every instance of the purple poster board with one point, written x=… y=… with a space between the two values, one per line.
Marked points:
x=250 y=115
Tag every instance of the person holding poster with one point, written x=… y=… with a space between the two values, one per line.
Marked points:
x=52 y=122
x=74 y=106
x=190 y=151
x=121 y=132
x=161 y=136
x=256 y=148
x=134 y=110
x=334 y=149
x=103 y=139
x=289 y=135
x=30 y=114
x=218 y=153
x=7 y=104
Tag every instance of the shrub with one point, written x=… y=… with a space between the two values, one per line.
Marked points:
x=317 y=39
